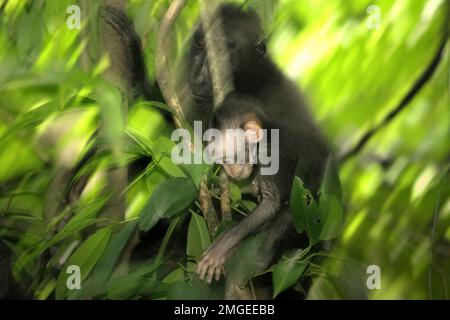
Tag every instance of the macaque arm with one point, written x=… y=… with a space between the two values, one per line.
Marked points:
x=215 y=256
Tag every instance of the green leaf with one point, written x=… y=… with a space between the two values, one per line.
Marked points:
x=332 y=213
x=287 y=271
x=169 y=198
x=195 y=290
x=148 y=217
x=248 y=205
x=166 y=239
x=106 y=264
x=112 y=112
x=323 y=289
x=30 y=33
x=155 y=104
x=198 y=238
x=85 y=257
x=154 y=178
x=242 y=265
x=166 y=164
x=84 y=213
x=141 y=144
x=346 y=281
x=235 y=192
x=196 y=172
x=175 y=276
x=330 y=203
x=164 y=161
x=30 y=119
x=131 y=283
x=223 y=226
x=305 y=212
x=129 y=287
x=162 y=106
x=330 y=182
x=150 y=123
x=82 y=220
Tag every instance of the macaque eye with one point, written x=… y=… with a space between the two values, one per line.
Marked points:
x=227 y=160
x=199 y=44
x=261 y=48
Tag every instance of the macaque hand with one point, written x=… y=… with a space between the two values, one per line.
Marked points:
x=211 y=264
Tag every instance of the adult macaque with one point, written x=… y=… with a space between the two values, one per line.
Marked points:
x=263 y=98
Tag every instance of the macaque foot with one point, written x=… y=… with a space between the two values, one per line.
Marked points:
x=211 y=264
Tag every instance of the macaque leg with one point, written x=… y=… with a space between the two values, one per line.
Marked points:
x=275 y=232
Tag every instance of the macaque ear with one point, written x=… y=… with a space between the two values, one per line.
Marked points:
x=253 y=131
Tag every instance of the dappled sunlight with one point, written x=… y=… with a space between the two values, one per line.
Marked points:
x=57 y=110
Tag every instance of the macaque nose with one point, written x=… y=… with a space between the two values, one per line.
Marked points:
x=200 y=79
x=201 y=76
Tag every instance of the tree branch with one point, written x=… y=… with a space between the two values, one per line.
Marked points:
x=170 y=96
x=220 y=71
x=222 y=83
x=418 y=85
x=217 y=52
x=207 y=208
x=161 y=61
x=225 y=206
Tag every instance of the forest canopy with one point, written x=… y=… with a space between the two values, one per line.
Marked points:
x=379 y=67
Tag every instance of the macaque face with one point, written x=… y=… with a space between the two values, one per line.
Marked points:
x=237 y=150
x=198 y=70
x=244 y=40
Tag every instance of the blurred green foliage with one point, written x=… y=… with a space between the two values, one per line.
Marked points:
x=396 y=192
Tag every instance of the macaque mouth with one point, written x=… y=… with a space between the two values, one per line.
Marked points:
x=238 y=171
x=203 y=96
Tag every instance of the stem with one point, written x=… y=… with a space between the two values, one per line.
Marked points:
x=225 y=196
x=161 y=61
x=217 y=52
x=207 y=208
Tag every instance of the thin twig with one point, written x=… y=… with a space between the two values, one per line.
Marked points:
x=161 y=61
x=170 y=96
x=222 y=83
x=225 y=196
x=418 y=85
x=220 y=71
x=207 y=208
x=217 y=52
